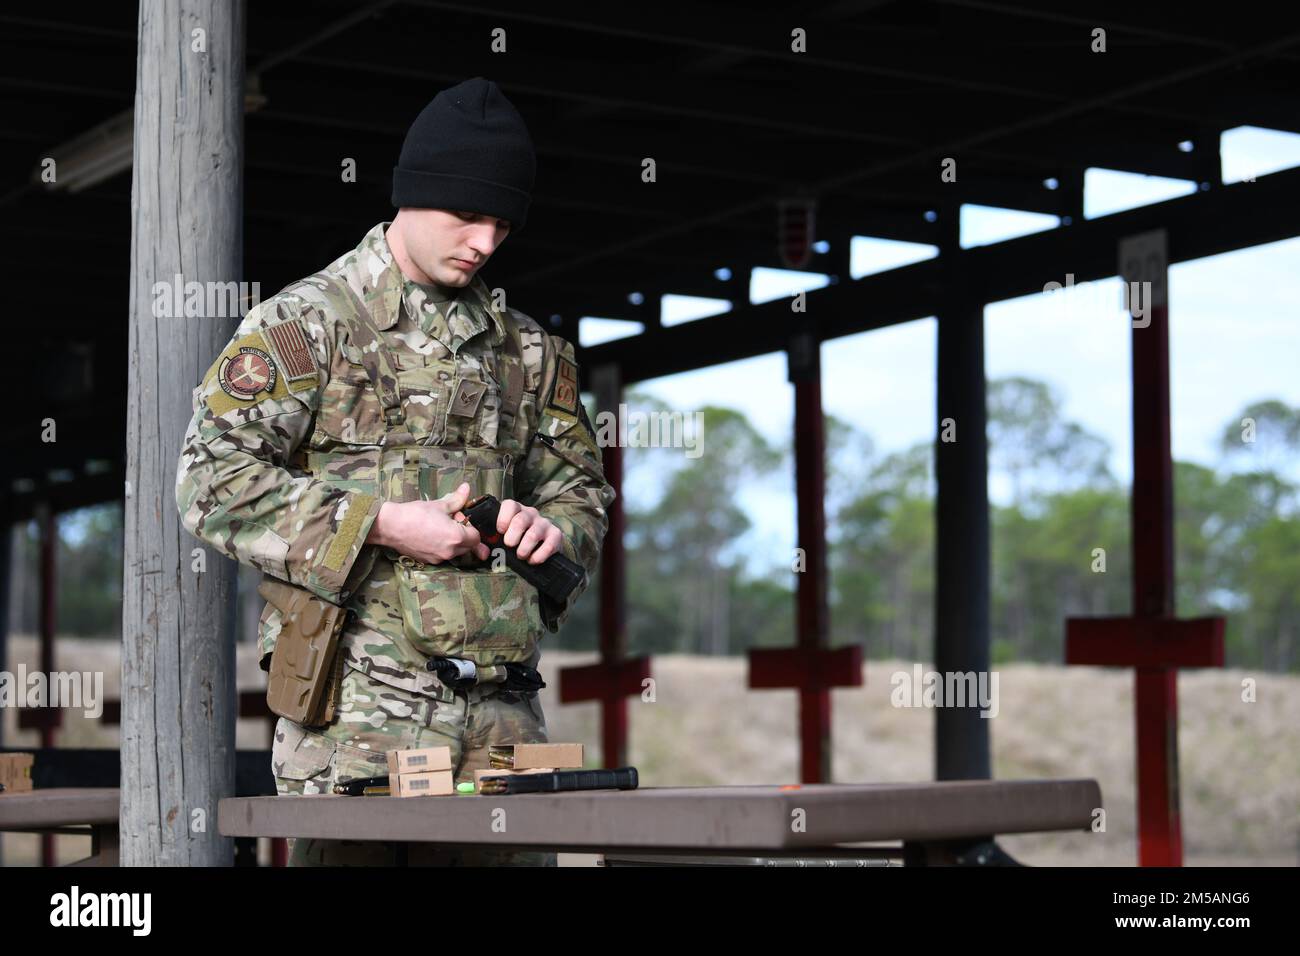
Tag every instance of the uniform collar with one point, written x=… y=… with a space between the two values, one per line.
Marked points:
x=375 y=276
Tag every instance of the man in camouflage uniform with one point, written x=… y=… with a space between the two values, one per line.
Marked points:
x=347 y=422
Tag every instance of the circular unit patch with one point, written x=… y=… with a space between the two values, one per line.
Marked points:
x=245 y=375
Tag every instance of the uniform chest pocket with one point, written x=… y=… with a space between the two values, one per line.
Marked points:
x=516 y=438
x=447 y=404
x=350 y=412
x=425 y=394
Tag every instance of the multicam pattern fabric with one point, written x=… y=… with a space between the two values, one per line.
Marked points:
x=285 y=468
x=291 y=479
x=374 y=718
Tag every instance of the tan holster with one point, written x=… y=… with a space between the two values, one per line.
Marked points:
x=306 y=665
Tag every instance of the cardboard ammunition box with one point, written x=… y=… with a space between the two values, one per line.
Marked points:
x=530 y=756
x=16 y=772
x=419 y=761
x=480 y=774
x=433 y=783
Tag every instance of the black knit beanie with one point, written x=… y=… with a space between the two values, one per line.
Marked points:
x=468 y=149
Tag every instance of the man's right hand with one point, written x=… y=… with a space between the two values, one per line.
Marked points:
x=429 y=531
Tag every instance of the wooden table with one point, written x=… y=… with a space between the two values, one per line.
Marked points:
x=79 y=811
x=946 y=822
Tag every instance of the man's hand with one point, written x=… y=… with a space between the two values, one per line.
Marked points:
x=436 y=531
x=533 y=537
x=430 y=531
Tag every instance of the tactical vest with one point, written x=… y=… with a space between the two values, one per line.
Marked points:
x=456 y=425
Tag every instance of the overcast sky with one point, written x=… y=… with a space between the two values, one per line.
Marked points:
x=1235 y=339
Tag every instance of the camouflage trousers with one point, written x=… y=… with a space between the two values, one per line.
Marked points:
x=372 y=718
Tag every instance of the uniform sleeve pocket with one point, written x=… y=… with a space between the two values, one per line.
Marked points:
x=585 y=465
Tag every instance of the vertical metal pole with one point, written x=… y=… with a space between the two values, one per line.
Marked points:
x=961 y=613
x=812 y=609
x=608 y=388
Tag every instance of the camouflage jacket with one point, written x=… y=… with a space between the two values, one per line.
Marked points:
x=290 y=455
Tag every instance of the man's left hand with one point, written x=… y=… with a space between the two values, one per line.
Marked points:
x=533 y=536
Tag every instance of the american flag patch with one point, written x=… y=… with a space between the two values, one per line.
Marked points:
x=291 y=348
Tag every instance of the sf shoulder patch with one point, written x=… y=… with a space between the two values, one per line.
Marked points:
x=564 y=395
x=288 y=340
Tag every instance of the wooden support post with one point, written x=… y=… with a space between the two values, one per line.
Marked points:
x=178 y=653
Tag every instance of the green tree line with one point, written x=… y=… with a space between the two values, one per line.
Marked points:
x=1237 y=538
x=690 y=589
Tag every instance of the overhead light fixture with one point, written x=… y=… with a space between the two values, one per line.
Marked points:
x=107 y=149
x=92 y=157
x=253 y=98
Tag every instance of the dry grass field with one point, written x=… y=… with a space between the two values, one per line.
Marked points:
x=1240 y=761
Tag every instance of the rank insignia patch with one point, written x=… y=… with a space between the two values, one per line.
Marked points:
x=565 y=394
x=464 y=401
x=246 y=374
